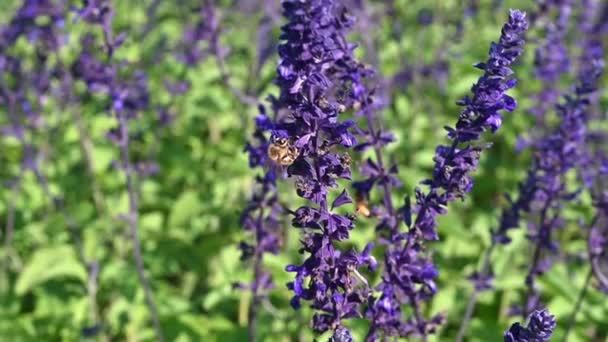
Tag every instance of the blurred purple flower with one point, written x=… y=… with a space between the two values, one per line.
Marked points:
x=555 y=155
x=551 y=62
x=206 y=29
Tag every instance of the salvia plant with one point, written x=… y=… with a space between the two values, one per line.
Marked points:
x=327 y=170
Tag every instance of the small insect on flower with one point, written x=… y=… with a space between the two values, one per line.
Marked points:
x=282 y=151
x=362 y=206
x=345 y=159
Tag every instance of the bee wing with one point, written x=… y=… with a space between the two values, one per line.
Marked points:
x=279 y=170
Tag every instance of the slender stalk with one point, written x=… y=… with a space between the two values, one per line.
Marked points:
x=93 y=267
x=133 y=215
x=578 y=305
x=87 y=150
x=9 y=227
x=419 y=319
x=132 y=220
x=594 y=258
x=468 y=314
x=257 y=272
x=388 y=201
x=253 y=308
x=543 y=228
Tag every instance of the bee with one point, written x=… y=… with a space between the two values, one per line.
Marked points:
x=322 y=103
x=282 y=151
x=345 y=159
x=362 y=206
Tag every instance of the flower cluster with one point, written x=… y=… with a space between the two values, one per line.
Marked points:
x=551 y=61
x=540 y=328
x=318 y=80
x=409 y=275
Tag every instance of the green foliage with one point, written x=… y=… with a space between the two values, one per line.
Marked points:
x=49 y=263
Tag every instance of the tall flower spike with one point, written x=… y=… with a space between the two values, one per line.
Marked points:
x=319 y=79
x=481 y=113
x=543 y=190
x=551 y=61
x=410 y=274
x=555 y=155
x=541 y=325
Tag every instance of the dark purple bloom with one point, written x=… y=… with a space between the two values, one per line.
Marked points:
x=318 y=80
x=341 y=335
x=409 y=278
x=511 y=214
x=124 y=94
x=540 y=328
x=542 y=192
x=453 y=164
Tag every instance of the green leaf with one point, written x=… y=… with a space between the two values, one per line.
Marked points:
x=102 y=157
x=186 y=206
x=49 y=263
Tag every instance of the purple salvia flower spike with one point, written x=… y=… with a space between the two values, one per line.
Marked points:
x=318 y=80
x=409 y=277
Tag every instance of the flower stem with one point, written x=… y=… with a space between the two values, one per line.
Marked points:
x=87 y=151
x=485 y=268
x=578 y=305
x=388 y=201
x=133 y=223
x=9 y=227
x=594 y=258
x=257 y=273
x=544 y=229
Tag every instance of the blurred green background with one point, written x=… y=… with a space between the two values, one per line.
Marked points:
x=189 y=211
